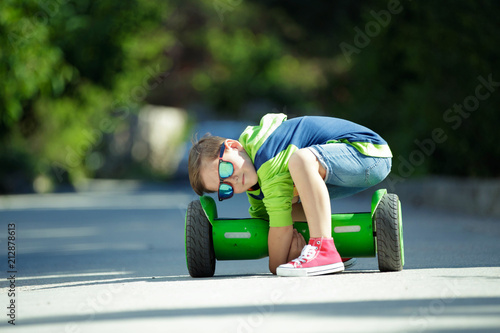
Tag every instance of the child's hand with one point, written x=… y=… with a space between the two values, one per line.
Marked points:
x=298 y=243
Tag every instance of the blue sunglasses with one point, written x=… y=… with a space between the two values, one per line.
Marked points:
x=226 y=170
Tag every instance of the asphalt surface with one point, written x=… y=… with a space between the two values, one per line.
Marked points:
x=112 y=260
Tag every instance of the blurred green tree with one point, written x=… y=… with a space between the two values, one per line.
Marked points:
x=395 y=66
x=73 y=71
x=65 y=68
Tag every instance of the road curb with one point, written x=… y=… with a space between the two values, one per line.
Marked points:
x=467 y=195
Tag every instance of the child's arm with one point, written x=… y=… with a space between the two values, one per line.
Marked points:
x=278 y=204
x=279 y=242
x=257 y=208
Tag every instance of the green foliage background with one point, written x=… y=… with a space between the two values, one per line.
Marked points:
x=71 y=73
x=66 y=66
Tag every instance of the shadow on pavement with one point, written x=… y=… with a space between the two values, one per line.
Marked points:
x=418 y=311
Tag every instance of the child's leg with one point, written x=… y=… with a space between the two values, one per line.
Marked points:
x=320 y=256
x=348 y=171
x=305 y=171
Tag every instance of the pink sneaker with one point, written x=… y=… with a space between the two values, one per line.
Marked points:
x=318 y=257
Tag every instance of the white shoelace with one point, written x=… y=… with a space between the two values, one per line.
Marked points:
x=307 y=253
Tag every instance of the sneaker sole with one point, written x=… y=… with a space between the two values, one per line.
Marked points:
x=349 y=263
x=310 y=271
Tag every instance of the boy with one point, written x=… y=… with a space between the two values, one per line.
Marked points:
x=316 y=158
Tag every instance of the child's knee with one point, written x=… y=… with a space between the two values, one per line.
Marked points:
x=379 y=171
x=301 y=159
x=304 y=161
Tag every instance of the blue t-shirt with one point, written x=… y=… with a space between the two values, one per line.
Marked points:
x=275 y=139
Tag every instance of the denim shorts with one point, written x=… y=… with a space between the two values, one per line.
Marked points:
x=348 y=171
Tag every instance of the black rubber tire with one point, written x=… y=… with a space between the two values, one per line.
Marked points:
x=200 y=255
x=389 y=252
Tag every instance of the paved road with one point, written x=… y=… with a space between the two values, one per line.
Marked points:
x=112 y=260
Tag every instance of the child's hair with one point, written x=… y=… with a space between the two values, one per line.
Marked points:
x=207 y=148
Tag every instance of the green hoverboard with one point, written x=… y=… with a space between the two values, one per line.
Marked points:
x=209 y=238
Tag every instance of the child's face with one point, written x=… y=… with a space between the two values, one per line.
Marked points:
x=244 y=175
